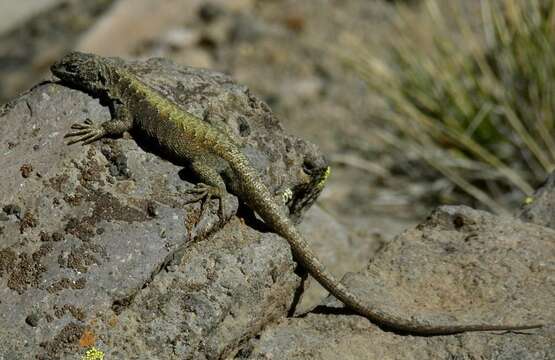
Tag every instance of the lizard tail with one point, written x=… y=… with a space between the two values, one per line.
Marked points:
x=259 y=198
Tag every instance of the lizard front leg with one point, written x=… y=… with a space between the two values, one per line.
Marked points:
x=87 y=132
x=211 y=186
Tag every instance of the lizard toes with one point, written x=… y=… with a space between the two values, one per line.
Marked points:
x=79 y=126
x=86 y=136
x=95 y=137
x=76 y=140
x=77 y=133
x=204 y=193
x=197 y=190
x=195 y=199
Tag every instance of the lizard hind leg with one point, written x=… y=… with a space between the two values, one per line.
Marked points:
x=211 y=186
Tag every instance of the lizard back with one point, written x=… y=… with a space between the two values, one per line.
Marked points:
x=174 y=129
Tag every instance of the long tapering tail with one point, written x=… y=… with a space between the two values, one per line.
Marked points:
x=257 y=195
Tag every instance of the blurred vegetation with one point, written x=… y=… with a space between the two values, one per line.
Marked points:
x=475 y=100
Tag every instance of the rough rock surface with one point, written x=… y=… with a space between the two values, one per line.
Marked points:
x=224 y=291
x=541 y=209
x=460 y=265
x=331 y=337
x=91 y=237
x=339 y=248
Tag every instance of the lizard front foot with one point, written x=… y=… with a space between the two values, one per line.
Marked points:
x=87 y=132
x=204 y=193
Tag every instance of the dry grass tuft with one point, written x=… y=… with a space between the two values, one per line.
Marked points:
x=477 y=106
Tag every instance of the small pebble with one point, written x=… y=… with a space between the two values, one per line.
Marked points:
x=152 y=210
x=26 y=170
x=32 y=320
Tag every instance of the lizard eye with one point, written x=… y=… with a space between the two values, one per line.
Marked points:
x=308 y=166
x=71 y=68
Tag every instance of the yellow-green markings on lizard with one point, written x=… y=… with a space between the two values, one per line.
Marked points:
x=324 y=178
x=138 y=106
x=287 y=195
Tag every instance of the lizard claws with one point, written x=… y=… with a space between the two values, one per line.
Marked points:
x=204 y=193
x=86 y=132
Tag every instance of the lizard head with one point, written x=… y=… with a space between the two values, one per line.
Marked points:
x=81 y=70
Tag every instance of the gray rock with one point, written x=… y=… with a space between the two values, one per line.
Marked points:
x=225 y=290
x=94 y=256
x=541 y=209
x=341 y=250
x=460 y=265
x=331 y=337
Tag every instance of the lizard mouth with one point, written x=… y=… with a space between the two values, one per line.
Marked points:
x=64 y=71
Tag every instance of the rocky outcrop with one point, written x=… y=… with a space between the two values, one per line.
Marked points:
x=459 y=265
x=98 y=246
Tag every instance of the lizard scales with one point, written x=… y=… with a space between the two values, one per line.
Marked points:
x=138 y=106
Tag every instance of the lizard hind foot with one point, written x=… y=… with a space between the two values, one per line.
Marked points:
x=87 y=132
x=204 y=193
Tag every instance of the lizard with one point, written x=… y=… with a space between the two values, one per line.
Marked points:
x=134 y=105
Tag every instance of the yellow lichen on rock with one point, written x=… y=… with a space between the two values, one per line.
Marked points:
x=93 y=354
